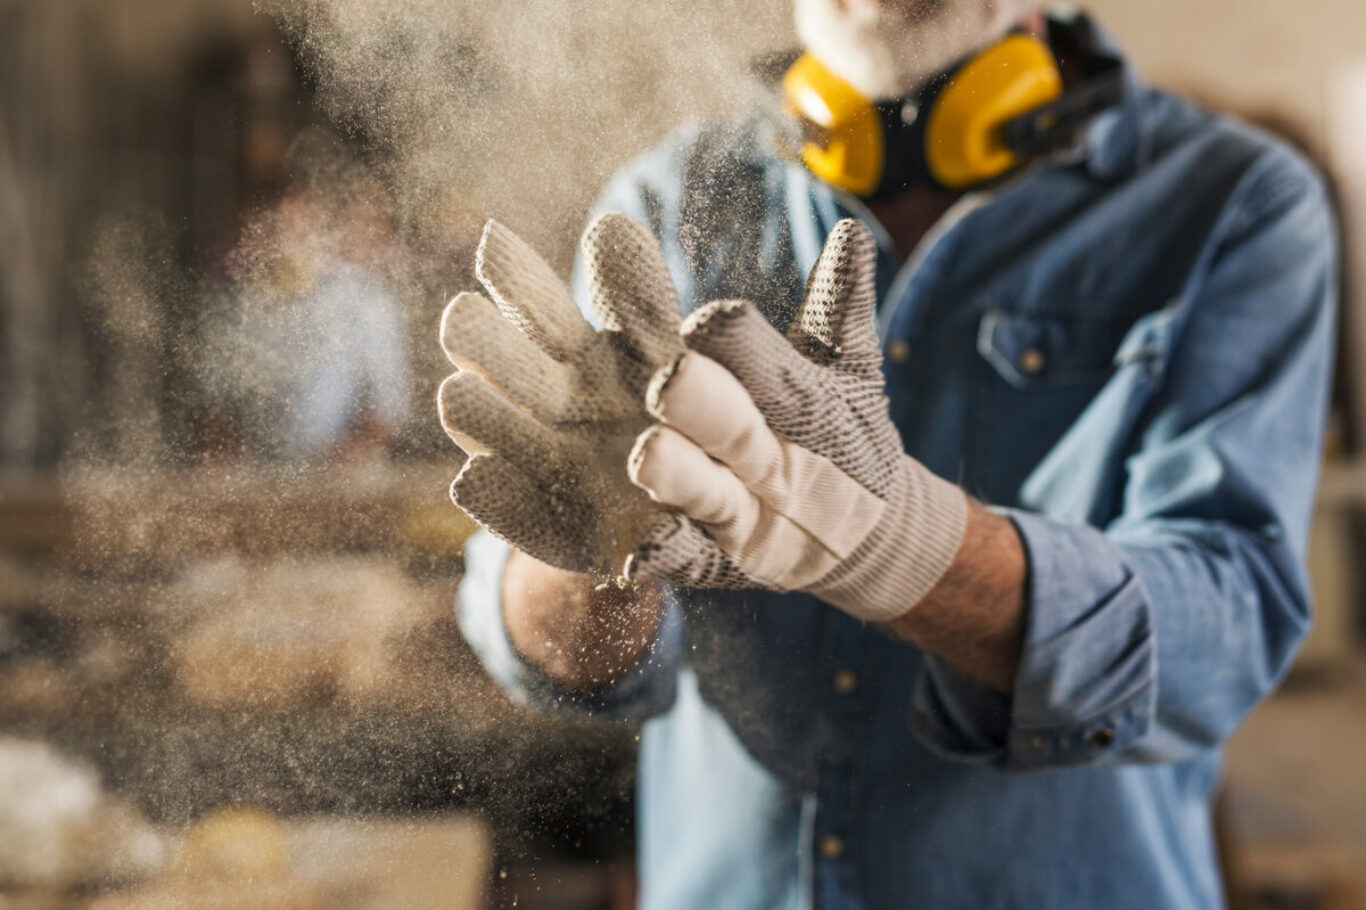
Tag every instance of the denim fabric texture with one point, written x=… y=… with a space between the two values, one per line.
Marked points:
x=1128 y=353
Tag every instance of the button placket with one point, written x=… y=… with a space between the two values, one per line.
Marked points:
x=845 y=710
x=830 y=847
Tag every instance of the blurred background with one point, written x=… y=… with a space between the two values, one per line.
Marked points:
x=229 y=671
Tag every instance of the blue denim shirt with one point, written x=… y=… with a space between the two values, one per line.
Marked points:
x=1128 y=353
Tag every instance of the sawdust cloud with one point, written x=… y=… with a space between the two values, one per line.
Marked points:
x=518 y=111
x=521 y=110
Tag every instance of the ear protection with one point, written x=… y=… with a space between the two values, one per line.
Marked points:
x=970 y=125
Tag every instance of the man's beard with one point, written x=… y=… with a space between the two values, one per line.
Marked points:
x=888 y=49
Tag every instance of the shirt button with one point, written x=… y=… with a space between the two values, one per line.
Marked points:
x=831 y=847
x=1102 y=738
x=898 y=351
x=845 y=682
x=1031 y=361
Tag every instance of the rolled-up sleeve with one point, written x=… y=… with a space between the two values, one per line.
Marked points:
x=646 y=690
x=1086 y=686
x=1151 y=638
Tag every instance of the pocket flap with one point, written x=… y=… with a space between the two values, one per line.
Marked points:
x=1030 y=350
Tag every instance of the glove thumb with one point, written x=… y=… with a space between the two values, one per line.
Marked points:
x=835 y=325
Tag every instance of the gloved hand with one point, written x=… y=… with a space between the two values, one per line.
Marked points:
x=545 y=406
x=782 y=458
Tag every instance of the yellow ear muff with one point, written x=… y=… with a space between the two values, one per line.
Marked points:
x=843 y=142
x=958 y=141
x=964 y=145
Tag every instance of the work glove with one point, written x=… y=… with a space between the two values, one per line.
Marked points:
x=781 y=457
x=545 y=406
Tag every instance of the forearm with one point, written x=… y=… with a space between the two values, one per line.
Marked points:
x=973 y=619
x=581 y=635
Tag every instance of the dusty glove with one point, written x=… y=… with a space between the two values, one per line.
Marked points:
x=782 y=458
x=546 y=406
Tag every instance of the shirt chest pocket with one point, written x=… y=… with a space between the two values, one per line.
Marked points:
x=1038 y=373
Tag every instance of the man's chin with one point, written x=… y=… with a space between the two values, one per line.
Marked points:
x=910 y=10
x=888 y=48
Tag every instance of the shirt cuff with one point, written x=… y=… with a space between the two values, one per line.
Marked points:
x=1086 y=687
x=647 y=689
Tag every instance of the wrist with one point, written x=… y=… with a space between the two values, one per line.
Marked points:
x=582 y=634
x=973 y=619
x=917 y=542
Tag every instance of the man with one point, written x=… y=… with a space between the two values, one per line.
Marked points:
x=307 y=362
x=1117 y=359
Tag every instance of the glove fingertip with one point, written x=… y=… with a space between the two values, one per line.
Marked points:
x=615 y=229
x=635 y=568
x=631 y=289
x=461 y=484
x=853 y=234
x=713 y=317
x=494 y=237
x=456 y=319
x=736 y=335
x=494 y=233
x=450 y=397
x=659 y=384
x=836 y=321
x=529 y=294
x=639 y=450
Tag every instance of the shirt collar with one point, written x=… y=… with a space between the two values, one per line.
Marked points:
x=1117 y=141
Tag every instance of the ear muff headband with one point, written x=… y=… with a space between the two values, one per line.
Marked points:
x=952 y=134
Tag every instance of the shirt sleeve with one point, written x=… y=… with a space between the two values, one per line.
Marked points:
x=642 y=692
x=1152 y=638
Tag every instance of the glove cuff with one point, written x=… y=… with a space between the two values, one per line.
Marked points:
x=907 y=555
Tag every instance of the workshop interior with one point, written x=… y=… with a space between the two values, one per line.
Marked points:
x=232 y=669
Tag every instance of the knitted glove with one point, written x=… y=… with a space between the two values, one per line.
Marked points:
x=545 y=406
x=782 y=458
